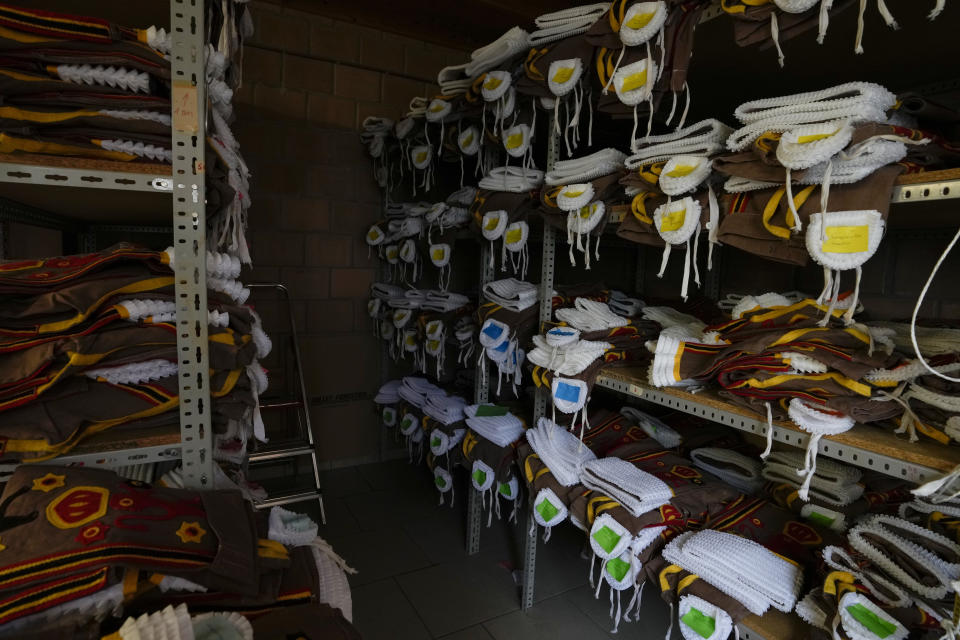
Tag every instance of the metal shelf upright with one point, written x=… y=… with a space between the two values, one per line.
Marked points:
x=186 y=184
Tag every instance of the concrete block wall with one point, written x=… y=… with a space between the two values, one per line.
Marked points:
x=308 y=84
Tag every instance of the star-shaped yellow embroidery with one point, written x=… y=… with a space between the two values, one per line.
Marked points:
x=48 y=482
x=191 y=532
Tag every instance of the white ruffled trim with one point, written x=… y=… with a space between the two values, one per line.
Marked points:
x=118 y=77
x=138 y=149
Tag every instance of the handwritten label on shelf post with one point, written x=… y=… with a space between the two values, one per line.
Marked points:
x=184 y=109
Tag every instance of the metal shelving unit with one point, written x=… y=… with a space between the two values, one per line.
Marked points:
x=186 y=184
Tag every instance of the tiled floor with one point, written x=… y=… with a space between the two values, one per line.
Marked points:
x=416 y=581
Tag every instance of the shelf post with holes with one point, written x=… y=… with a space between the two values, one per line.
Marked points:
x=189 y=239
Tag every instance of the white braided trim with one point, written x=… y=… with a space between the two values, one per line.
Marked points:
x=807 y=145
x=138 y=149
x=567 y=360
x=664 y=358
x=135 y=372
x=722 y=622
x=811 y=613
x=677 y=221
x=634 y=82
x=547 y=495
x=566 y=23
x=683 y=174
x=855 y=630
x=925 y=508
x=849 y=96
x=803 y=363
x=138 y=114
x=213 y=623
x=511 y=179
x=574 y=197
x=564 y=75
x=642 y=21
x=637 y=491
x=744 y=570
x=845 y=249
x=940 y=568
x=129 y=79
x=822 y=490
x=795 y=6
x=817 y=422
x=590 y=315
x=909 y=371
x=704 y=138
x=600 y=163
x=746 y=475
x=838 y=558
x=934 y=399
x=291 y=528
x=857 y=162
x=469 y=141
x=829 y=472
x=232 y=288
x=736 y=184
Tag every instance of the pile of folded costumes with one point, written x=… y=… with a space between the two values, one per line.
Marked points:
x=890 y=577
x=89 y=344
x=84 y=546
x=84 y=87
x=445 y=431
x=579 y=197
x=810 y=176
x=767 y=24
x=670 y=183
x=501 y=215
x=414 y=230
x=789 y=361
x=684 y=506
x=595 y=331
x=423 y=324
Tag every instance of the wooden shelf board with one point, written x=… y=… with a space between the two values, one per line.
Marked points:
x=777 y=625
x=925 y=453
x=120 y=439
x=86 y=164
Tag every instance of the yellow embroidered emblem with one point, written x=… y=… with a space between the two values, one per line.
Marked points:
x=77 y=507
x=191 y=532
x=48 y=482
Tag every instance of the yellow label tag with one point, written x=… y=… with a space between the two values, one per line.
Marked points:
x=956 y=609
x=573 y=194
x=635 y=81
x=563 y=74
x=184 y=106
x=586 y=212
x=437 y=107
x=514 y=235
x=515 y=141
x=492 y=83
x=433 y=345
x=640 y=20
x=373 y=234
x=411 y=340
x=437 y=254
x=682 y=170
x=673 y=220
x=847 y=239
x=468 y=140
x=492 y=223
x=392 y=252
x=814 y=137
x=421 y=157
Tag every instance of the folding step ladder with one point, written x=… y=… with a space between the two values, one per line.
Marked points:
x=284 y=448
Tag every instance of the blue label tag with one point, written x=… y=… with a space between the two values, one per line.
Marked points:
x=502 y=347
x=567 y=392
x=493 y=331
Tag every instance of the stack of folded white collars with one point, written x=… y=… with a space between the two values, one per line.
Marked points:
x=458 y=78
x=511 y=294
x=444 y=408
x=494 y=423
x=562 y=452
x=742 y=569
x=832 y=482
x=686 y=156
x=416 y=391
x=637 y=491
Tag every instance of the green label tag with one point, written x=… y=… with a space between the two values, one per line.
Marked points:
x=505 y=489
x=435 y=442
x=618 y=568
x=490 y=410
x=547 y=510
x=440 y=482
x=479 y=477
x=821 y=519
x=606 y=538
x=880 y=627
x=700 y=622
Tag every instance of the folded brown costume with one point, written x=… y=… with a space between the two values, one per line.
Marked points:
x=79 y=407
x=64 y=528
